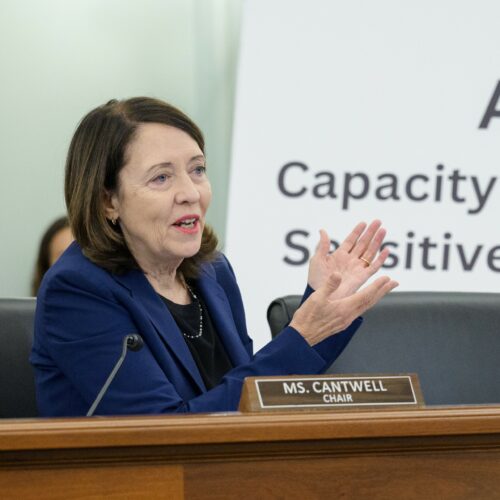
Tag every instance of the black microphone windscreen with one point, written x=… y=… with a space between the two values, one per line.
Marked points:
x=134 y=342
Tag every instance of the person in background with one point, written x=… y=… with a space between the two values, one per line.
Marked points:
x=55 y=240
x=145 y=262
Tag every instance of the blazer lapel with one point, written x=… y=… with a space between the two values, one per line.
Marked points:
x=220 y=312
x=141 y=290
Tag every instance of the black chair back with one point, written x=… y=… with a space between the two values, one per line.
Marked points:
x=450 y=339
x=17 y=384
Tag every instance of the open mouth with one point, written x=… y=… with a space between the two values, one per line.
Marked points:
x=187 y=223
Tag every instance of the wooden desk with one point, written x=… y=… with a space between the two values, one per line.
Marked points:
x=440 y=452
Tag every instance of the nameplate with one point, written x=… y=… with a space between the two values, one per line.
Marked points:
x=310 y=392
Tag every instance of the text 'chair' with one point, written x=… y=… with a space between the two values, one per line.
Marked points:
x=450 y=340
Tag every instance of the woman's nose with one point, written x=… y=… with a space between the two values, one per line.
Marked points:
x=187 y=190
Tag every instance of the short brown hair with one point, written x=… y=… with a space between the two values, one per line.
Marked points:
x=95 y=157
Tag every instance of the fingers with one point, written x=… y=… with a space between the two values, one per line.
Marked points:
x=379 y=261
x=323 y=247
x=348 y=244
x=374 y=245
x=319 y=317
x=378 y=289
x=364 y=242
x=376 y=264
x=370 y=295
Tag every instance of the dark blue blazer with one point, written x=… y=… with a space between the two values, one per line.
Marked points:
x=83 y=313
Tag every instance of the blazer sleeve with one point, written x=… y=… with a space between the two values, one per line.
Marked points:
x=328 y=350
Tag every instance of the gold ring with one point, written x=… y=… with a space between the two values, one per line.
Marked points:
x=366 y=261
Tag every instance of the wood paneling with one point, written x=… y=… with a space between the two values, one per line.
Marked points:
x=111 y=482
x=447 y=452
x=398 y=476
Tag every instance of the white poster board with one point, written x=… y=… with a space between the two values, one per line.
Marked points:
x=350 y=111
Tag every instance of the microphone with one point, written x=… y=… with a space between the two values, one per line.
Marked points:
x=132 y=341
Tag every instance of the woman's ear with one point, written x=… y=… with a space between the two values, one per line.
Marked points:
x=111 y=205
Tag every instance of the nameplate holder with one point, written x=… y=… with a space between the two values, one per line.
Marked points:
x=330 y=392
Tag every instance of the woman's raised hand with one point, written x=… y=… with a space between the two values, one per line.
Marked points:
x=322 y=315
x=355 y=260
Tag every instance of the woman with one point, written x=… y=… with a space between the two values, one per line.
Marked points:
x=145 y=262
x=55 y=240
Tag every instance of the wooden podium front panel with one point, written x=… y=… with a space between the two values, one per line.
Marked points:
x=379 y=476
x=432 y=452
x=133 y=481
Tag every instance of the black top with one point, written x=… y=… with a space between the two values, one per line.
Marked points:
x=207 y=350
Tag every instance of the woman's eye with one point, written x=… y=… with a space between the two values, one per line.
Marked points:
x=200 y=170
x=160 y=179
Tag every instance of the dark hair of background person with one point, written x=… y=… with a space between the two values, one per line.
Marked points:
x=95 y=157
x=42 y=263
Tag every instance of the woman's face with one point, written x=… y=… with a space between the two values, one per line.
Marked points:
x=162 y=197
